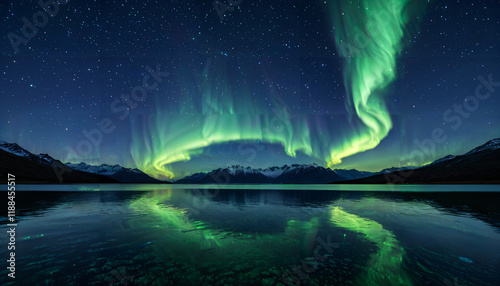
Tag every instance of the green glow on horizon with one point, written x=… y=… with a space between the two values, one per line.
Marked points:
x=370 y=66
x=184 y=144
x=384 y=267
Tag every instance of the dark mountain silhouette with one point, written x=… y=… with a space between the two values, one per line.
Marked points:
x=42 y=168
x=117 y=172
x=31 y=168
x=479 y=165
x=287 y=174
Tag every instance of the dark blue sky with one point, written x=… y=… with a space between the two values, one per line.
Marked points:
x=66 y=77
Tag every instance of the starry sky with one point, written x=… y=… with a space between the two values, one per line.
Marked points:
x=212 y=74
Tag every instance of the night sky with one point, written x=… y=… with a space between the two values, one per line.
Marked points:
x=266 y=82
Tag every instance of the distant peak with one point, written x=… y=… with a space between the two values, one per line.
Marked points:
x=237 y=167
x=492 y=144
x=3 y=143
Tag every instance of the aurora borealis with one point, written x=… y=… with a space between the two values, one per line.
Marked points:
x=228 y=114
x=370 y=65
x=337 y=83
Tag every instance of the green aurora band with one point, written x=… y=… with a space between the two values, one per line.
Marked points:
x=369 y=36
x=223 y=110
x=221 y=114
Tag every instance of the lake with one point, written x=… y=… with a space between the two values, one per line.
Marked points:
x=127 y=234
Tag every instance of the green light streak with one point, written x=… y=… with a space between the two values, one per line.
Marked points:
x=385 y=266
x=370 y=65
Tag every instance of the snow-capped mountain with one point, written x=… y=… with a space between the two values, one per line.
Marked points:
x=41 y=168
x=44 y=168
x=479 y=165
x=15 y=149
x=490 y=145
x=307 y=174
x=273 y=172
x=287 y=174
x=103 y=169
x=117 y=172
x=234 y=174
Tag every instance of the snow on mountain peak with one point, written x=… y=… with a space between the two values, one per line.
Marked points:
x=233 y=170
x=270 y=172
x=104 y=169
x=490 y=145
x=46 y=157
x=445 y=158
x=14 y=149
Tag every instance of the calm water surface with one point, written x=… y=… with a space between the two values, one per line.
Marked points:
x=255 y=235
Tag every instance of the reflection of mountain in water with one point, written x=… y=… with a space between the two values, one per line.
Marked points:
x=483 y=206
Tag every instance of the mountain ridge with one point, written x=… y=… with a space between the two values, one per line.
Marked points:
x=117 y=172
x=42 y=168
x=286 y=174
x=479 y=165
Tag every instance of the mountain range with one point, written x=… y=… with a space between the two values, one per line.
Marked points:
x=479 y=165
x=42 y=168
x=287 y=174
x=117 y=172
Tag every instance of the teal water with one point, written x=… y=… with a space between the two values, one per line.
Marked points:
x=127 y=234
